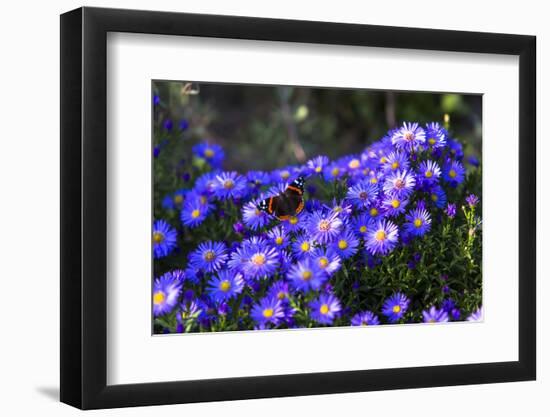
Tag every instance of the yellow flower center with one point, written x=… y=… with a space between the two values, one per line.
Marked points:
x=324 y=309
x=374 y=212
x=342 y=244
x=324 y=225
x=306 y=275
x=281 y=295
x=285 y=175
x=225 y=286
x=318 y=169
x=383 y=160
x=293 y=220
x=209 y=153
x=279 y=240
x=395 y=203
x=203 y=199
x=195 y=213
x=228 y=184
x=452 y=173
x=305 y=246
x=396 y=309
x=380 y=235
x=258 y=259
x=257 y=212
x=178 y=199
x=431 y=141
x=209 y=255
x=374 y=180
x=431 y=321
x=335 y=172
x=417 y=222
x=158 y=237
x=429 y=174
x=434 y=197
x=158 y=298
x=268 y=313
x=354 y=163
x=323 y=262
x=363 y=229
x=395 y=165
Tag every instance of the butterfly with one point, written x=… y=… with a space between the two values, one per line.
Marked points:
x=287 y=204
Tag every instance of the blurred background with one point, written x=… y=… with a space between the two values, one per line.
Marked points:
x=267 y=127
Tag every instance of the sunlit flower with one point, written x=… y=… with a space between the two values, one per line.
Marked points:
x=346 y=244
x=323 y=227
x=327 y=260
x=409 y=137
x=365 y=318
x=253 y=217
x=261 y=261
x=164 y=239
x=394 y=205
x=395 y=307
x=229 y=185
x=399 y=183
x=325 y=308
x=362 y=194
x=166 y=292
x=418 y=222
x=225 y=285
x=395 y=161
x=317 y=164
x=382 y=238
x=436 y=136
x=428 y=172
x=268 y=311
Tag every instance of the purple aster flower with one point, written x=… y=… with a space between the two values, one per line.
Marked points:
x=433 y=315
x=396 y=161
x=166 y=292
x=476 y=315
x=436 y=136
x=326 y=259
x=382 y=238
x=278 y=237
x=225 y=285
x=472 y=160
x=209 y=256
x=365 y=318
x=262 y=261
x=164 y=239
x=195 y=210
x=455 y=149
x=346 y=245
x=206 y=184
x=395 y=307
x=306 y=275
x=317 y=164
x=183 y=124
x=253 y=217
x=167 y=125
x=342 y=208
x=268 y=311
x=451 y=210
x=418 y=222
x=362 y=194
x=295 y=223
x=229 y=185
x=409 y=137
x=302 y=246
x=282 y=175
x=453 y=172
x=323 y=227
x=257 y=179
x=362 y=224
x=472 y=200
x=325 y=309
x=428 y=172
x=352 y=164
x=399 y=183
x=175 y=200
x=438 y=196
x=279 y=290
x=213 y=154
x=333 y=171
x=156 y=100
x=394 y=205
x=188 y=311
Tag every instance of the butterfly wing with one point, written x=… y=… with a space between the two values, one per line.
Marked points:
x=286 y=204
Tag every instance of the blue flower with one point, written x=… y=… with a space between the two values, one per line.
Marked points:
x=362 y=224
x=164 y=239
x=206 y=184
x=278 y=237
x=346 y=245
x=409 y=137
x=472 y=200
x=365 y=318
x=395 y=161
x=175 y=200
x=362 y=194
x=476 y=315
x=268 y=311
x=399 y=183
x=395 y=307
x=253 y=217
x=438 y=196
x=195 y=210
x=394 y=205
x=325 y=308
x=418 y=222
x=323 y=227
x=428 y=172
x=436 y=136
x=212 y=153
x=229 y=185
x=451 y=210
x=455 y=149
x=262 y=261
x=225 y=285
x=453 y=172
x=327 y=260
x=382 y=238
x=302 y=246
x=209 y=256
x=317 y=164
x=166 y=292
x=333 y=172
x=306 y=275
x=433 y=315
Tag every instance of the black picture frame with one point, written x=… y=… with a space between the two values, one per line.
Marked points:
x=84 y=207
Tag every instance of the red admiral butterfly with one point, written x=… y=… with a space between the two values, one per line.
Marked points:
x=289 y=203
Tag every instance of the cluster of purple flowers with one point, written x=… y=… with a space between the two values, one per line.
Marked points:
x=275 y=273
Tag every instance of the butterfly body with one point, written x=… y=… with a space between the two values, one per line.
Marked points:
x=288 y=203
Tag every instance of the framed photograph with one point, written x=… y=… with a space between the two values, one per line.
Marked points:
x=258 y=208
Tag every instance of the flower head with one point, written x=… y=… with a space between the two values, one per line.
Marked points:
x=262 y=260
x=327 y=260
x=382 y=238
x=453 y=172
x=306 y=275
x=229 y=185
x=323 y=227
x=428 y=172
x=418 y=222
x=253 y=217
x=166 y=292
x=472 y=200
x=433 y=315
x=209 y=256
x=268 y=311
x=362 y=224
x=346 y=244
x=395 y=161
x=399 y=183
x=212 y=153
x=394 y=205
x=195 y=210
x=395 y=307
x=365 y=318
x=164 y=239
x=317 y=164
x=325 y=308
x=409 y=137
x=436 y=136
x=225 y=285
x=362 y=194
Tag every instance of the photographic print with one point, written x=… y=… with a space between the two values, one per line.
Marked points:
x=283 y=207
